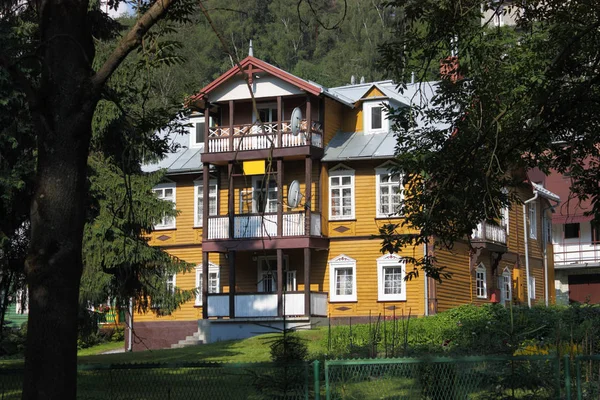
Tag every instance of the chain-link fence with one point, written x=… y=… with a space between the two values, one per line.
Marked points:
x=522 y=377
x=181 y=381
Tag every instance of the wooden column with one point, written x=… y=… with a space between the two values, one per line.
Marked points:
x=205 y=198
x=205 y=284
x=307 y=309
x=206 y=125
x=231 y=258
x=308 y=121
x=279 y=198
x=230 y=199
x=231 y=125
x=279 y=282
x=307 y=195
x=279 y=144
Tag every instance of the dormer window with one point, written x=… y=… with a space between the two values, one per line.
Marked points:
x=375 y=118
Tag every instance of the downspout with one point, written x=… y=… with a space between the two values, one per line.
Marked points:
x=426 y=288
x=546 y=243
x=525 y=233
x=130 y=335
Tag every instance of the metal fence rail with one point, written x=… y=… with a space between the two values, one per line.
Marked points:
x=499 y=377
x=587 y=370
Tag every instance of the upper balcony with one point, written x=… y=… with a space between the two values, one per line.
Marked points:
x=490 y=236
x=225 y=141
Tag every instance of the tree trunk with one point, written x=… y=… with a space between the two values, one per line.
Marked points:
x=63 y=110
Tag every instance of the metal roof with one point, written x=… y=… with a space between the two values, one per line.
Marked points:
x=181 y=161
x=359 y=145
x=545 y=192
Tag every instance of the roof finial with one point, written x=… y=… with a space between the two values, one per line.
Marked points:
x=251 y=51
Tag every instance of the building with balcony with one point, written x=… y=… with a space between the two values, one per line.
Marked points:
x=263 y=260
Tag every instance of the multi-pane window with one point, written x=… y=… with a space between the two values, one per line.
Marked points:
x=267 y=275
x=481 y=282
x=390 y=272
x=213 y=281
x=212 y=200
x=165 y=191
x=264 y=195
x=342 y=279
x=532 y=211
x=505 y=283
x=341 y=193
x=389 y=192
x=170 y=283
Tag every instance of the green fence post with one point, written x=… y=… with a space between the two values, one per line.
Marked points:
x=578 y=371
x=567 y=378
x=557 y=377
x=317 y=380
x=327 y=394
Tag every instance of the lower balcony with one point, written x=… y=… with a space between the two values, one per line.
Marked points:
x=264 y=305
x=488 y=233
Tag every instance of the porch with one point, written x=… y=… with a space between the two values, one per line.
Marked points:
x=264 y=305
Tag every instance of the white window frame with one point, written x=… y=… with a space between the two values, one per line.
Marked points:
x=390 y=261
x=532 y=214
x=212 y=269
x=481 y=276
x=22 y=306
x=272 y=107
x=198 y=186
x=166 y=222
x=197 y=119
x=367 y=116
x=499 y=16
x=532 y=287
x=171 y=280
x=340 y=171
x=505 y=281
x=258 y=190
x=386 y=170
x=246 y=201
x=260 y=270
x=341 y=262
x=290 y=278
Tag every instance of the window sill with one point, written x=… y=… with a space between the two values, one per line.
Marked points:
x=390 y=216
x=379 y=300
x=343 y=301
x=342 y=219
x=164 y=228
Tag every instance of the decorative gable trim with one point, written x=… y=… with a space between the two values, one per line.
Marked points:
x=341 y=168
x=342 y=258
x=389 y=258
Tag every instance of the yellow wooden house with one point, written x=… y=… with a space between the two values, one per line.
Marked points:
x=267 y=253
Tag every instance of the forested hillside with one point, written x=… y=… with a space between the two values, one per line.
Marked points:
x=326 y=44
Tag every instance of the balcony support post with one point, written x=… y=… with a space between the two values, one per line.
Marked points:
x=280 y=283
x=230 y=200
x=307 y=195
x=205 y=284
x=307 y=311
x=279 y=133
x=231 y=125
x=279 y=197
x=206 y=126
x=205 y=208
x=308 y=121
x=231 y=259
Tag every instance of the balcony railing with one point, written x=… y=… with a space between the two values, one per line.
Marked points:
x=263 y=136
x=260 y=305
x=576 y=253
x=489 y=233
x=262 y=226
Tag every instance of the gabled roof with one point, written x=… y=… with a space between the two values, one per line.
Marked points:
x=545 y=192
x=181 y=161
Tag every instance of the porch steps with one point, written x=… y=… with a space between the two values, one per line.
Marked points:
x=193 y=340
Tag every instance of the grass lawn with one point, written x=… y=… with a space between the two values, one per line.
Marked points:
x=101 y=348
x=254 y=349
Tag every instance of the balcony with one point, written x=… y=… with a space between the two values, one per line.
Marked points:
x=255 y=137
x=576 y=254
x=487 y=233
x=264 y=305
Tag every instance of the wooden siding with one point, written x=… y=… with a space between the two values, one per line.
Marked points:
x=333 y=119
x=458 y=289
x=374 y=92
x=366 y=252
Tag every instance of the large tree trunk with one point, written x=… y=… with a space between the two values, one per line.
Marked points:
x=63 y=111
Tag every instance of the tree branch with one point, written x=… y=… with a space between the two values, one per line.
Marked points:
x=132 y=39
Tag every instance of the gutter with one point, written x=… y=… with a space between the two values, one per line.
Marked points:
x=526 y=236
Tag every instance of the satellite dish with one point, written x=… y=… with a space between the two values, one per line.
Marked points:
x=293 y=197
x=296 y=120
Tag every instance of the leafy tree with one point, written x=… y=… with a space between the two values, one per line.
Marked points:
x=522 y=97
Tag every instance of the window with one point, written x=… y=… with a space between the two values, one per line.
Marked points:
x=165 y=191
x=341 y=192
x=197 y=130
x=267 y=112
x=375 y=118
x=505 y=283
x=171 y=283
x=246 y=196
x=390 y=191
x=267 y=275
x=572 y=231
x=532 y=287
x=532 y=220
x=214 y=282
x=22 y=301
x=212 y=200
x=264 y=195
x=342 y=279
x=499 y=16
x=481 y=282
x=390 y=278
x=595 y=232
